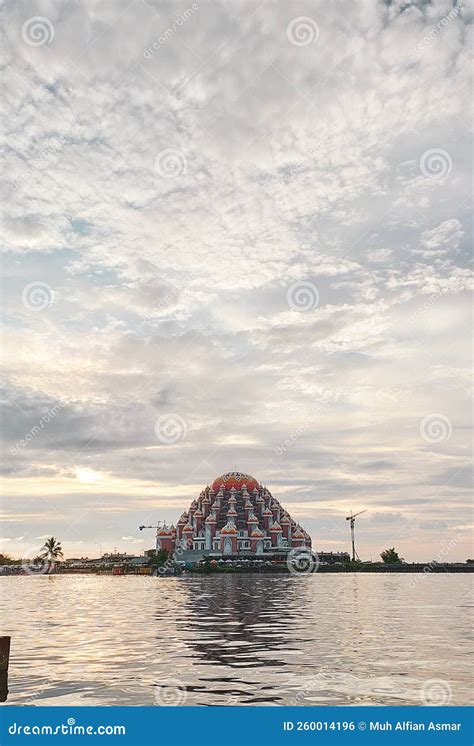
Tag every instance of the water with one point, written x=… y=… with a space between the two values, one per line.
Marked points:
x=238 y=639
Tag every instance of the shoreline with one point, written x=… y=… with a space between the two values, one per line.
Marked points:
x=424 y=569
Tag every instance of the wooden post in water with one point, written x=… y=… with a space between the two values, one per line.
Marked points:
x=4 y=661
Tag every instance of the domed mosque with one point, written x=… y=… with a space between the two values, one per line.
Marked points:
x=235 y=516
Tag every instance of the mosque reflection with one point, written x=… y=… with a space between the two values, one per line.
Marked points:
x=235 y=629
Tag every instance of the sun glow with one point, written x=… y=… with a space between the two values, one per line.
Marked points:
x=88 y=475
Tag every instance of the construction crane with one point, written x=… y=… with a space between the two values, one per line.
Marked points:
x=352 y=518
x=160 y=524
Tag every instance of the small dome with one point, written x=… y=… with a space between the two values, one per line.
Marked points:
x=229 y=528
x=164 y=532
x=276 y=527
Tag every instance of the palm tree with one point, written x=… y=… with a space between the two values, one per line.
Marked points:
x=50 y=551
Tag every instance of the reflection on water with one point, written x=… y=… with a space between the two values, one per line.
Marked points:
x=238 y=639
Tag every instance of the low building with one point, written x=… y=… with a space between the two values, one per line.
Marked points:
x=334 y=558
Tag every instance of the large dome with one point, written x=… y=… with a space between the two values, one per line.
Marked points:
x=235 y=479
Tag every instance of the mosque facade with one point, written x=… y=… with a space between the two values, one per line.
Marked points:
x=234 y=516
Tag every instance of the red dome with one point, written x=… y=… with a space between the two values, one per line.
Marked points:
x=235 y=479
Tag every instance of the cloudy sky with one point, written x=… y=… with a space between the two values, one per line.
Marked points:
x=236 y=236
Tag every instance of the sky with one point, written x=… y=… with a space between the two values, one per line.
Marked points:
x=236 y=236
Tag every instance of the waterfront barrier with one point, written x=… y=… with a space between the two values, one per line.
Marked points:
x=353 y=567
x=4 y=663
x=270 y=567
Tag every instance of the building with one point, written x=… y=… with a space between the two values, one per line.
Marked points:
x=107 y=561
x=235 y=516
x=333 y=558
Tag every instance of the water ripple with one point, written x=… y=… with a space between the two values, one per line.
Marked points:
x=235 y=640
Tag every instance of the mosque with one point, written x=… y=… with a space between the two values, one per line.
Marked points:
x=235 y=516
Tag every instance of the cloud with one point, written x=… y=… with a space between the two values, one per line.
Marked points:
x=170 y=292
